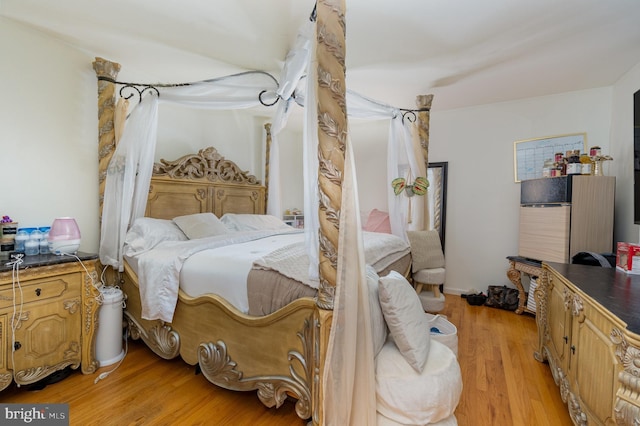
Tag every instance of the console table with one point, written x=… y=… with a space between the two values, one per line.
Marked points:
x=589 y=332
x=519 y=265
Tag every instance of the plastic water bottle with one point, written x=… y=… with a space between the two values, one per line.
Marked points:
x=44 y=244
x=32 y=245
x=21 y=237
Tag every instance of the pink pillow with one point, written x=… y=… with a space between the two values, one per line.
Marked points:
x=378 y=221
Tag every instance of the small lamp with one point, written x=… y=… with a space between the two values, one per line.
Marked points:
x=64 y=236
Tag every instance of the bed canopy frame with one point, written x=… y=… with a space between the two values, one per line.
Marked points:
x=332 y=137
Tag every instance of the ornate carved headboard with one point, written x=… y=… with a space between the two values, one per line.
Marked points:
x=203 y=182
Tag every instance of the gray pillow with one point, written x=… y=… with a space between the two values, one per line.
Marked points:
x=426 y=250
x=200 y=225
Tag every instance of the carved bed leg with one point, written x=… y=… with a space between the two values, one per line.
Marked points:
x=161 y=338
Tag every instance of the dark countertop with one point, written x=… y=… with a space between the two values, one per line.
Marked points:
x=46 y=260
x=615 y=290
x=525 y=260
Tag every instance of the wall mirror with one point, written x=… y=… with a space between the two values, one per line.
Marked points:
x=437 y=194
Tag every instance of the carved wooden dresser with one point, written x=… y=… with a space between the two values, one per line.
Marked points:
x=588 y=321
x=48 y=317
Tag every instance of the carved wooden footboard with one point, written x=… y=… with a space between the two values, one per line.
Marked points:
x=277 y=355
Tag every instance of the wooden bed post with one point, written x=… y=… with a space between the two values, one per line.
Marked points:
x=267 y=158
x=106 y=71
x=332 y=137
x=423 y=102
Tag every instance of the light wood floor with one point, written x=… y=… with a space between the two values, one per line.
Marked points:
x=503 y=384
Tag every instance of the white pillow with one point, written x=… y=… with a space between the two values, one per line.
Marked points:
x=200 y=225
x=147 y=232
x=379 y=329
x=412 y=398
x=406 y=319
x=252 y=222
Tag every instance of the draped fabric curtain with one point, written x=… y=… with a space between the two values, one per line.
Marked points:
x=402 y=160
x=294 y=69
x=129 y=171
x=349 y=381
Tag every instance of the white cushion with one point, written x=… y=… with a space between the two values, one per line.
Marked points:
x=430 y=276
x=200 y=225
x=147 y=232
x=405 y=318
x=385 y=421
x=379 y=329
x=412 y=398
x=431 y=303
x=252 y=222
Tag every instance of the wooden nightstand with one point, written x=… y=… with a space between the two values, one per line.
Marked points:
x=49 y=318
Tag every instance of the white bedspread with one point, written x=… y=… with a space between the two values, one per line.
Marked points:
x=232 y=265
x=232 y=256
x=159 y=269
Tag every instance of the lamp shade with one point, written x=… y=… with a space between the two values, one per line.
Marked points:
x=64 y=236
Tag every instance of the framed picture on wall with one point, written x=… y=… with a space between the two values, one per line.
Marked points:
x=529 y=155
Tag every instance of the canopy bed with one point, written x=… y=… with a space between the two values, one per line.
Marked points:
x=324 y=356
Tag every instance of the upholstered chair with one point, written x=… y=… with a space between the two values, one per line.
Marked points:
x=428 y=268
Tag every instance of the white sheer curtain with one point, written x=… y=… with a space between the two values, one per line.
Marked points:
x=349 y=380
x=130 y=169
x=402 y=160
x=127 y=180
x=294 y=69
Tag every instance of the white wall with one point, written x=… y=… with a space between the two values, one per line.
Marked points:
x=236 y=135
x=48 y=117
x=622 y=153
x=483 y=204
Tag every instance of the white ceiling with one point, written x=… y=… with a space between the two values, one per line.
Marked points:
x=466 y=52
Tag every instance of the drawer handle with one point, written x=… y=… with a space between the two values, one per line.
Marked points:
x=573 y=349
x=566 y=339
x=16 y=346
x=38 y=291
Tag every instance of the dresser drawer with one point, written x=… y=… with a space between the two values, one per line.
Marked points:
x=41 y=289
